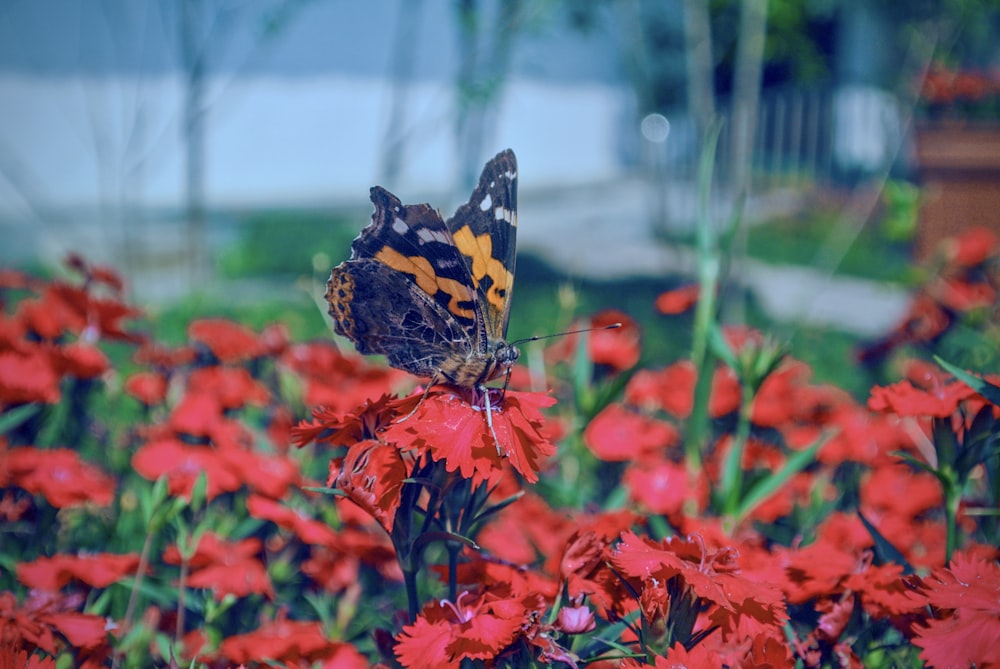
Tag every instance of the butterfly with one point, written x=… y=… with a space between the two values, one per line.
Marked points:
x=432 y=296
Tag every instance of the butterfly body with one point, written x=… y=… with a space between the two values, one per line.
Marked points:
x=434 y=296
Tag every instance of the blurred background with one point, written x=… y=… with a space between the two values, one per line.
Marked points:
x=220 y=152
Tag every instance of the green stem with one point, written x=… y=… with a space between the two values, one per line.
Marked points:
x=732 y=473
x=952 y=499
x=134 y=595
x=705 y=312
x=412 y=599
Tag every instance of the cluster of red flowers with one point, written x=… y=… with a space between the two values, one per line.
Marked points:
x=961 y=94
x=154 y=509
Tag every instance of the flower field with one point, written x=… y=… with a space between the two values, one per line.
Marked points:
x=246 y=499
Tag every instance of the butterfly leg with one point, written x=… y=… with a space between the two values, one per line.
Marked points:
x=434 y=381
x=489 y=417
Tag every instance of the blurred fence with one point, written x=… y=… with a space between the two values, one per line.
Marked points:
x=802 y=138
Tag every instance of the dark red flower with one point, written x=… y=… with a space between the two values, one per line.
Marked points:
x=98 y=570
x=679 y=300
x=59 y=475
x=451 y=424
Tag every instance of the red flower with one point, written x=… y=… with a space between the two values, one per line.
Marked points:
x=617 y=434
x=233 y=387
x=366 y=422
x=679 y=300
x=474 y=627
x=11 y=658
x=897 y=489
x=308 y=530
x=904 y=399
x=967 y=593
x=270 y=475
x=372 y=476
x=148 y=387
x=670 y=389
x=711 y=577
x=973 y=247
x=28 y=377
x=617 y=348
x=226 y=567
x=341 y=382
x=97 y=570
x=59 y=475
x=961 y=295
x=291 y=641
x=182 y=463
x=451 y=425
x=43 y=616
x=197 y=414
x=229 y=342
x=84 y=361
x=91 y=317
x=664 y=487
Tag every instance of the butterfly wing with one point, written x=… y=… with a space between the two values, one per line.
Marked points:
x=383 y=312
x=484 y=231
x=415 y=241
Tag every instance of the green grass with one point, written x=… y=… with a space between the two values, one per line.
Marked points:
x=829 y=241
x=289 y=242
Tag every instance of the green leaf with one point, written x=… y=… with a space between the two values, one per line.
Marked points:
x=980 y=385
x=498 y=507
x=764 y=488
x=885 y=552
x=11 y=418
x=720 y=347
x=326 y=491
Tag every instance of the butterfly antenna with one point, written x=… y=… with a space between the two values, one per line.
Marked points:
x=563 y=334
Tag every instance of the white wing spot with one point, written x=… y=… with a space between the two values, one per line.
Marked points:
x=426 y=235
x=486 y=203
x=399 y=226
x=502 y=214
x=511 y=175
